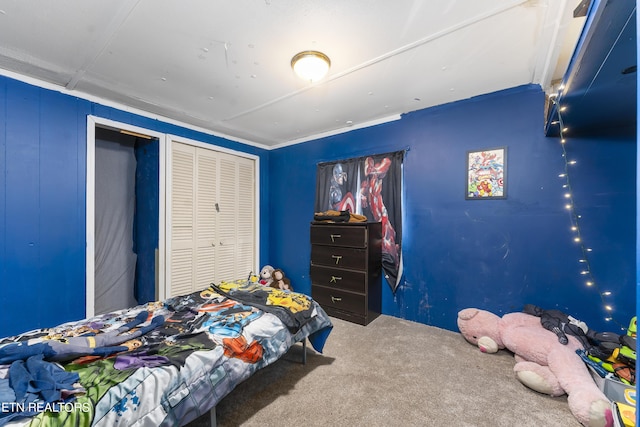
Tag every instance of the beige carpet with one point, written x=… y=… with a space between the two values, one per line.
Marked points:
x=390 y=373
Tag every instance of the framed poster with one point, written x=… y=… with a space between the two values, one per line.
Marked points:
x=486 y=174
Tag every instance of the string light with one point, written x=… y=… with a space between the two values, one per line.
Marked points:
x=575 y=227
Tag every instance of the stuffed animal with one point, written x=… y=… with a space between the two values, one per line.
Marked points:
x=280 y=281
x=253 y=278
x=265 y=275
x=542 y=363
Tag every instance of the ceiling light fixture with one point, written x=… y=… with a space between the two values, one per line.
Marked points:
x=311 y=65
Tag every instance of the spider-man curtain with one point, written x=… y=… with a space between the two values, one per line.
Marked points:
x=370 y=186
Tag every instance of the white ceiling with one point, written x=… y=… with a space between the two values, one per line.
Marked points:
x=224 y=65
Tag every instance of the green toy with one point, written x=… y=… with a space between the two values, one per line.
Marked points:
x=631 y=331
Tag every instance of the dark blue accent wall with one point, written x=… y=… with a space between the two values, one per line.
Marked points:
x=603 y=183
x=497 y=254
x=145 y=241
x=493 y=254
x=42 y=216
x=42 y=200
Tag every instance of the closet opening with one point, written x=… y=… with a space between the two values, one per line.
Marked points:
x=159 y=224
x=126 y=202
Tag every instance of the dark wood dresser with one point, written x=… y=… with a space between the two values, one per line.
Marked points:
x=346 y=269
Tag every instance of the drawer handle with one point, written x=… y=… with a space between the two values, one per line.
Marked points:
x=337 y=258
x=334 y=237
x=334 y=279
x=335 y=299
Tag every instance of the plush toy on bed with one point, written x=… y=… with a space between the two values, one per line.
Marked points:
x=280 y=281
x=542 y=363
x=265 y=275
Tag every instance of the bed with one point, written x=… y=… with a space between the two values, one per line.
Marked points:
x=163 y=363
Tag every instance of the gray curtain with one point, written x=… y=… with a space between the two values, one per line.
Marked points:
x=115 y=260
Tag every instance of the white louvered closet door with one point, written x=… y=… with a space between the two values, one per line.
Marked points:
x=236 y=217
x=182 y=219
x=205 y=217
x=227 y=207
x=213 y=218
x=246 y=219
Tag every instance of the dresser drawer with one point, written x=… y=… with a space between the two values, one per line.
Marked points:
x=339 y=257
x=332 y=277
x=339 y=300
x=353 y=235
x=345 y=269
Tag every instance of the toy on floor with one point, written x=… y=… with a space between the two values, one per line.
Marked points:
x=542 y=363
x=560 y=324
x=280 y=281
x=627 y=414
x=613 y=352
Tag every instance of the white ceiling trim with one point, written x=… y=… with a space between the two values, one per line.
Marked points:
x=341 y=130
x=92 y=98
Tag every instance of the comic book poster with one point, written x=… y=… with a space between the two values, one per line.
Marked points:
x=486 y=170
x=369 y=186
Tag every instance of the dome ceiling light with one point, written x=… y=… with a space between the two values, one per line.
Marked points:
x=311 y=65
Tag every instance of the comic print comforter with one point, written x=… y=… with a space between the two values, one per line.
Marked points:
x=158 y=364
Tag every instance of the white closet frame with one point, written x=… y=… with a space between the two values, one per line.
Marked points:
x=164 y=219
x=256 y=202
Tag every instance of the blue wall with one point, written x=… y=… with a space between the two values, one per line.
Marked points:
x=146 y=218
x=497 y=254
x=493 y=254
x=42 y=201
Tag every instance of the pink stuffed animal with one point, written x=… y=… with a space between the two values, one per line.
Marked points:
x=542 y=363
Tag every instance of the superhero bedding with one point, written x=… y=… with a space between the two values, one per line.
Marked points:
x=159 y=364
